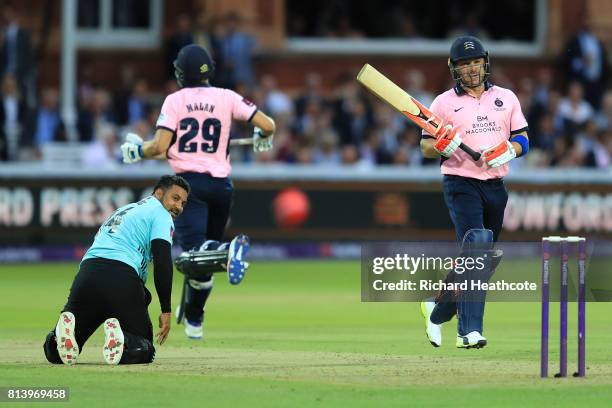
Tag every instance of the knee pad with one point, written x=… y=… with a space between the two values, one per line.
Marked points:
x=137 y=350
x=201 y=285
x=479 y=238
x=50 y=349
x=200 y=265
x=478 y=243
x=209 y=245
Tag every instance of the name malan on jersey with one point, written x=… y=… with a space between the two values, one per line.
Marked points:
x=199 y=106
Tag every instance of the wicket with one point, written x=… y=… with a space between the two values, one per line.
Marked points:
x=564 y=269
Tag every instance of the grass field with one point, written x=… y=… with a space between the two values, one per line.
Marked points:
x=296 y=334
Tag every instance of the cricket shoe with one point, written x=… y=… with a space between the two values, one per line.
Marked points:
x=193 y=329
x=433 y=331
x=236 y=264
x=113 y=341
x=471 y=340
x=67 y=346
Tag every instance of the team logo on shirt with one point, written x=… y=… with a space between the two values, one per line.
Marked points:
x=247 y=102
x=499 y=105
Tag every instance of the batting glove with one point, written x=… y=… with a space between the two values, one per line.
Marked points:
x=500 y=154
x=132 y=148
x=261 y=142
x=447 y=141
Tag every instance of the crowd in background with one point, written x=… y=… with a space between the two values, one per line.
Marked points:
x=570 y=120
x=432 y=19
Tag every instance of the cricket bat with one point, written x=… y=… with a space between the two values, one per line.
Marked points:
x=401 y=100
x=241 y=142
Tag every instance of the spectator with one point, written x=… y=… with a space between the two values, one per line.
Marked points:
x=208 y=33
x=468 y=25
x=237 y=48
x=405 y=25
x=353 y=121
x=604 y=116
x=343 y=28
x=368 y=150
x=303 y=154
x=544 y=133
x=49 y=125
x=574 y=109
x=349 y=156
x=121 y=95
x=103 y=152
x=12 y=119
x=138 y=103
x=16 y=57
x=275 y=101
x=312 y=91
x=554 y=100
x=543 y=86
x=584 y=60
x=303 y=124
x=414 y=84
x=182 y=36
x=94 y=113
x=602 y=150
x=566 y=152
x=326 y=150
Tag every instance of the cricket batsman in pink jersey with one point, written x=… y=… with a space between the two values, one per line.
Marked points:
x=487 y=118
x=193 y=133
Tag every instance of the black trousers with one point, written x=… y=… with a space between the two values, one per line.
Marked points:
x=207 y=210
x=475 y=204
x=105 y=288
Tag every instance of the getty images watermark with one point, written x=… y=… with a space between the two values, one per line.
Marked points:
x=413 y=271
x=471 y=273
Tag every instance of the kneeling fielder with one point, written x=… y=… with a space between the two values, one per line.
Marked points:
x=110 y=285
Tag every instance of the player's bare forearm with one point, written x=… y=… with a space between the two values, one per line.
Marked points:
x=264 y=122
x=428 y=150
x=157 y=147
x=151 y=150
x=517 y=148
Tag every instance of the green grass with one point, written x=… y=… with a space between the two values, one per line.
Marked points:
x=296 y=334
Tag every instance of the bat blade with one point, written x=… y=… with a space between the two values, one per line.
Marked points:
x=403 y=102
x=387 y=91
x=241 y=142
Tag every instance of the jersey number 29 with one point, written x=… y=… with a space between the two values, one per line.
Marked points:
x=211 y=130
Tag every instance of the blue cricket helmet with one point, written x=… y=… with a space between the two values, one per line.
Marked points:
x=464 y=48
x=193 y=66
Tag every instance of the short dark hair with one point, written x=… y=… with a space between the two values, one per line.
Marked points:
x=169 y=180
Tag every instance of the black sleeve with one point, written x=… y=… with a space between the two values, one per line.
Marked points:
x=162 y=264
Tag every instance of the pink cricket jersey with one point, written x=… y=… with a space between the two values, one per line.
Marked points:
x=201 y=119
x=482 y=123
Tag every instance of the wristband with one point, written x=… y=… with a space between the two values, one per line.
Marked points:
x=523 y=142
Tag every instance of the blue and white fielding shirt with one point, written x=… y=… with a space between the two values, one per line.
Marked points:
x=127 y=234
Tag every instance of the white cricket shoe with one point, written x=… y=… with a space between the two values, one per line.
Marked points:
x=193 y=330
x=67 y=346
x=113 y=341
x=471 y=340
x=433 y=331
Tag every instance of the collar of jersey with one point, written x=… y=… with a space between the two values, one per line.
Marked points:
x=460 y=91
x=198 y=86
